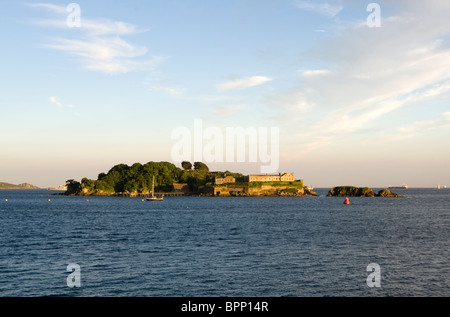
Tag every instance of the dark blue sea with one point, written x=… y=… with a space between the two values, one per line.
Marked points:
x=224 y=247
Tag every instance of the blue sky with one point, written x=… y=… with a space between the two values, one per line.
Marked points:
x=355 y=105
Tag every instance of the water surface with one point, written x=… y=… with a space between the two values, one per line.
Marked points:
x=211 y=246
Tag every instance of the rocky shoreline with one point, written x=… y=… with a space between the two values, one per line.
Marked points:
x=274 y=192
x=340 y=191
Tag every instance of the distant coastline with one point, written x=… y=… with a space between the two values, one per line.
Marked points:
x=20 y=186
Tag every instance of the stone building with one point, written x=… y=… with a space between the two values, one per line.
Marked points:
x=286 y=177
x=225 y=180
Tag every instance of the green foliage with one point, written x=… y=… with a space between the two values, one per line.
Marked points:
x=292 y=191
x=73 y=187
x=387 y=193
x=186 y=165
x=201 y=167
x=137 y=178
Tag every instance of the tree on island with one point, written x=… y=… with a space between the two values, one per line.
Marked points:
x=201 y=167
x=73 y=187
x=186 y=165
x=138 y=178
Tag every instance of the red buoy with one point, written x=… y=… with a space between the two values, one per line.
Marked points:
x=347 y=201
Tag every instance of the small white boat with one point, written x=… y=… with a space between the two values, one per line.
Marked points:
x=154 y=198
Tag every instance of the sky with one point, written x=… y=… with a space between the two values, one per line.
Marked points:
x=355 y=104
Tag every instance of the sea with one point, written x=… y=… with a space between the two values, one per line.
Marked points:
x=59 y=246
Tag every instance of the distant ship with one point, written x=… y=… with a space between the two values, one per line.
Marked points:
x=404 y=186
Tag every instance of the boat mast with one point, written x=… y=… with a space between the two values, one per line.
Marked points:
x=153 y=186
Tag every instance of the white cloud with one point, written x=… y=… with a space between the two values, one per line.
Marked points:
x=417 y=128
x=107 y=27
x=100 y=27
x=241 y=83
x=316 y=72
x=376 y=73
x=102 y=49
x=49 y=7
x=100 y=43
x=54 y=101
x=171 y=91
x=326 y=9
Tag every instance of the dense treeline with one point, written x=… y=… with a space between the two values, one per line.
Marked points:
x=138 y=178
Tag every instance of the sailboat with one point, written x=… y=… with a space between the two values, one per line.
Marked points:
x=154 y=198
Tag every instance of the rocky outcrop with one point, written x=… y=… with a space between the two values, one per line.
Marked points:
x=350 y=191
x=388 y=193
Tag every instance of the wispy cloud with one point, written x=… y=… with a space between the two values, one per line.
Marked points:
x=326 y=9
x=49 y=7
x=54 y=101
x=241 y=83
x=100 y=44
x=418 y=128
x=174 y=92
x=375 y=73
x=316 y=72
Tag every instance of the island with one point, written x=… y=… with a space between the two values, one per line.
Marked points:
x=388 y=193
x=20 y=186
x=190 y=180
x=351 y=191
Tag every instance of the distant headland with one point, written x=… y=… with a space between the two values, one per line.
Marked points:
x=20 y=186
x=190 y=180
